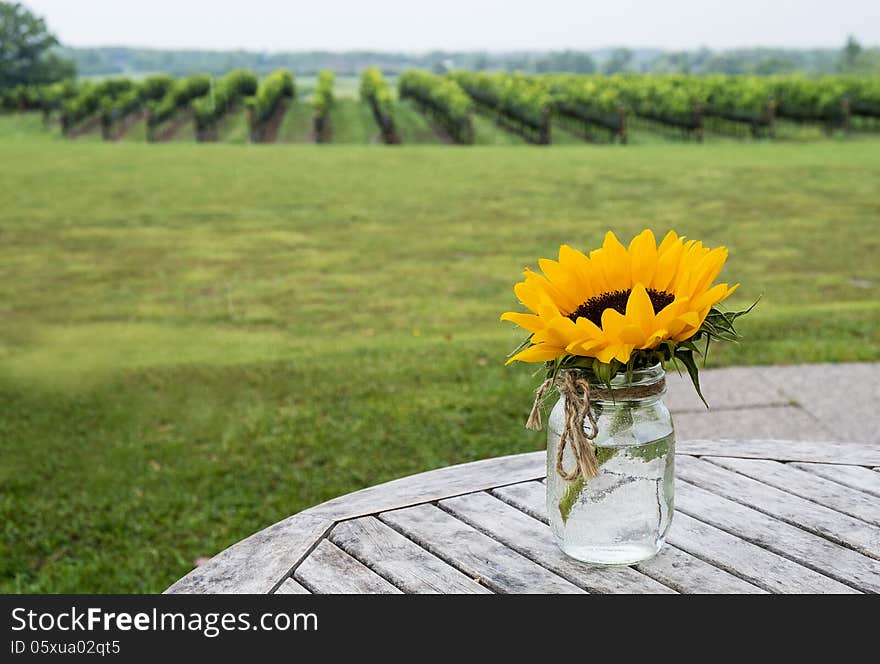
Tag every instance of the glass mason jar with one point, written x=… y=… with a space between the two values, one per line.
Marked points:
x=622 y=516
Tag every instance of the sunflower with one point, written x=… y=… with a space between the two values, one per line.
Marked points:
x=618 y=299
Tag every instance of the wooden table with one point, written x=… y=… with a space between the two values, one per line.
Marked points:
x=752 y=516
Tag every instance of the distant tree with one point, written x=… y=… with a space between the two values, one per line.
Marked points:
x=851 y=52
x=619 y=61
x=26 y=55
x=575 y=61
x=481 y=62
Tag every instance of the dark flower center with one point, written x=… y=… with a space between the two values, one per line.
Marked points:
x=592 y=309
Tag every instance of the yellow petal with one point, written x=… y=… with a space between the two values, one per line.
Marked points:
x=639 y=310
x=579 y=266
x=559 y=331
x=587 y=329
x=633 y=335
x=585 y=348
x=612 y=323
x=708 y=269
x=559 y=296
x=667 y=267
x=539 y=353
x=618 y=268
x=670 y=239
x=643 y=254
x=691 y=318
x=713 y=296
x=528 y=295
x=608 y=353
x=659 y=335
x=528 y=322
x=623 y=353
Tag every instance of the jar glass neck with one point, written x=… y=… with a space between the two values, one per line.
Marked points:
x=641 y=379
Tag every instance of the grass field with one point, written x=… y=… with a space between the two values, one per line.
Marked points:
x=297 y=124
x=234 y=128
x=199 y=340
x=351 y=121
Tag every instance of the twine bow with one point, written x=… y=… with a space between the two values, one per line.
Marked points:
x=575 y=392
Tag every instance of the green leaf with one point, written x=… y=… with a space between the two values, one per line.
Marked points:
x=687 y=359
x=572 y=491
x=574 y=488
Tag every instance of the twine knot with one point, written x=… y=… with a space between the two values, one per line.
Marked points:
x=575 y=390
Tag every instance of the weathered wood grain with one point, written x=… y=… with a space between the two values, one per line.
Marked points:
x=330 y=570
x=435 y=485
x=533 y=539
x=291 y=587
x=477 y=555
x=829 y=490
x=399 y=559
x=805 y=548
x=806 y=485
x=763 y=568
x=673 y=567
x=854 y=477
x=260 y=562
x=782 y=505
x=858 y=454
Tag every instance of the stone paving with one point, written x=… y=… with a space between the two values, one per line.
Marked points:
x=838 y=402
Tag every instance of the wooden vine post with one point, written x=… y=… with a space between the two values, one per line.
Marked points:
x=253 y=130
x=771 y=118
x=698 y=122
x=151 y=126
x=318 y=124
x=544 y=135
x=468 y=138
x=107 y=126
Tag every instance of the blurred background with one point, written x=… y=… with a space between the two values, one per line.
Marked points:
x=253 y=254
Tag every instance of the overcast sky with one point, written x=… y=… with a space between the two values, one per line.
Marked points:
x=414 y=25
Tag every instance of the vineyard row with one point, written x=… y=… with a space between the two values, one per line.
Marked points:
x=592 y=106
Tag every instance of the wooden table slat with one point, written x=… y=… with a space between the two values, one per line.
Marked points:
x=435 y=485
x=805 y=548
x=533 y=539
x=752 y=516
x=763 y=568
x=805 y=514
x=673 y=567
x=476 y=554
x=330 y=570
x=854 y=477
x=259 y=563
x=291 y=587
x=400 y=560
x=811 y=487
x=856 y=454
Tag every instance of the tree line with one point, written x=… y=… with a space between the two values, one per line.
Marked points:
x=31 y=55
x=757 y=61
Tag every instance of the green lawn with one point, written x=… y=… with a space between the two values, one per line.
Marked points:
x=234 y=128
x=412 y=125
x=26 y=127
x=297 y=125
x=352 y=121
x=199 y=340
x=137 y=132
x=487 y=132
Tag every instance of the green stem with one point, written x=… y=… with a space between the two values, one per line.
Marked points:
x=622 y=419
